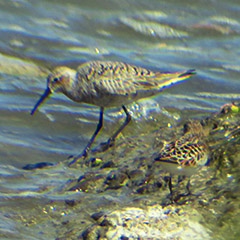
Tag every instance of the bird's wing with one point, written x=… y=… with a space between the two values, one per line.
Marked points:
x=122 y=78
x=112 y=77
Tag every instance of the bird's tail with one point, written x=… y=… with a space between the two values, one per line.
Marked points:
x=168 y=79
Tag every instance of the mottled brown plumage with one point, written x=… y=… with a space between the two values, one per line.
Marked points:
x=108 y=84
x=188 y=150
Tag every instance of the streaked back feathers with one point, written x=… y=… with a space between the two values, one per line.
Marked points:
x=122 y=78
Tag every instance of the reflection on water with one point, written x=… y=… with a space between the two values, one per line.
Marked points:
x=166 y=35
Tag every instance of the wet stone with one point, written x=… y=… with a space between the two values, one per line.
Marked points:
x=97 y=215
x=137 y=177
x=39 y=165
x=116 y=179
x=153 y=222
x=108 y=164
x=70 y=203
x=95 y=162
x=89 y=183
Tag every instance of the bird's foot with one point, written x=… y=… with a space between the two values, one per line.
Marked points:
x=77 y=158
x=102 y=147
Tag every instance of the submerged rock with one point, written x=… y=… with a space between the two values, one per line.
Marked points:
x=37 y=165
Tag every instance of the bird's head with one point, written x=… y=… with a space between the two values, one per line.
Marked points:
x=59 y=80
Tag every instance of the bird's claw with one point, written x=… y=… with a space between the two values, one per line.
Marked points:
x=104 y=146
x=77 y=158
x=101 y=148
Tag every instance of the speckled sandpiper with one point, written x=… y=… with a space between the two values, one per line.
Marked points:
x=188 y=150
x=108 y=84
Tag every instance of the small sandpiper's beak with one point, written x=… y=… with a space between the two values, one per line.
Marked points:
x=41 y=100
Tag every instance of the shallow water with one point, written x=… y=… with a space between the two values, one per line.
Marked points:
x=38 y=35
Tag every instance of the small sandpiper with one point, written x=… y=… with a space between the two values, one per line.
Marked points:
x=188 y=150
x=108 y=84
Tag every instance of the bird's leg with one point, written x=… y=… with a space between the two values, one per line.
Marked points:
x=84 y=153
x=110 y=142
x=127 y=120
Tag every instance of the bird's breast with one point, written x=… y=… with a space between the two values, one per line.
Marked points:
x=105 y=98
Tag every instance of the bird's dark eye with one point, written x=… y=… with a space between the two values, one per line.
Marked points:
x=55 y=79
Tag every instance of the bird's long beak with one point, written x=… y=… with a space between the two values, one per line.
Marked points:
x=41 y=100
